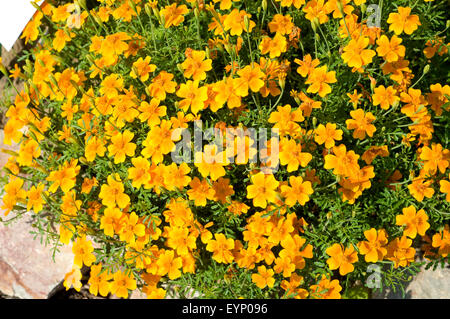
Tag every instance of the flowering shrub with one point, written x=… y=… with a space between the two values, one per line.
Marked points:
x=352 y=170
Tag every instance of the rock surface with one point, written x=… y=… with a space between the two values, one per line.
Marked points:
x=27 y=269
x=428 y=284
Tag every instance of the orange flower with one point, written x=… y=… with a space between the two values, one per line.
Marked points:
x=221 y=248
x=307 y=65
x=211 y=162
x=341 y=258
x=121 y=146
x=60 y=39
x=403 y=21
x=326 y=289
x=263 y=278
x=374 y=248
x=99 y=280
x=161 y=85
x=299 y=191
x=390 y=50
x=169 y=265
x=291 y=155
x=355 y=53
x=288 y=3
x=416 y=223
x=275 y=47
x=95 y=146
x=316 y=9
x=200 y=191
x=281 y=24
x=226 y=93
x=195 y=65
x=139 y=173
x=373 y=152
x=354 y=97
x=361 y=124
x=132 y=229
x=194 y=96
x=445 y=188
x=235 y=22
x=420 y=188
x=385 y=97
x=401 y=252
x=142 y=69
x=249 y=78
x=262 y=190
x=442 y=240
x=435 y=158
x=342 y=162
x=111 y=85
x=112 y=194
x=73 y=279
x=173 y=14
x=82 y=249
x=327 y=134
x=319 y=79
x=122 y=283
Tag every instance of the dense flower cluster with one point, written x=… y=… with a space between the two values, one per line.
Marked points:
x=362 y=173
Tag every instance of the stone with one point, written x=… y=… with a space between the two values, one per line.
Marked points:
x=27 y=268
x=427 y=284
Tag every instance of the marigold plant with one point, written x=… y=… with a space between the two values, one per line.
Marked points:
x=344 y=164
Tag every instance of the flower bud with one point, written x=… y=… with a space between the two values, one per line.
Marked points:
x=81 y=3
x=264 y=5
x=340 y=7
x=132 y=5
x=426 y=69
x=363 y=8
x=314 y=121
x=180 y=68
x=246 y=23
x=315 y=24
x=83 y=161
x=148 y=10
x=196 y=13
x=3 y=69
x=395 y=104
x=79 y=88
x=53 y=80
x=97 y=19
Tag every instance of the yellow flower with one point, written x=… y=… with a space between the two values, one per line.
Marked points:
x=262 y=190
x=112 y=193
x=122 y=283
x=196 y=66
x=73 y=279
x=361 y=124
x=355 y=53
x=173 y=14
x=264 y=277
x=415 y=222
x=342 y=259
x=327 y=135
x=142 y=69
x=374 y=248
x=82 y=250
x=221 y=248
x=403 y=21
x=121 y=146
x=298 y=191
x=319 y=80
